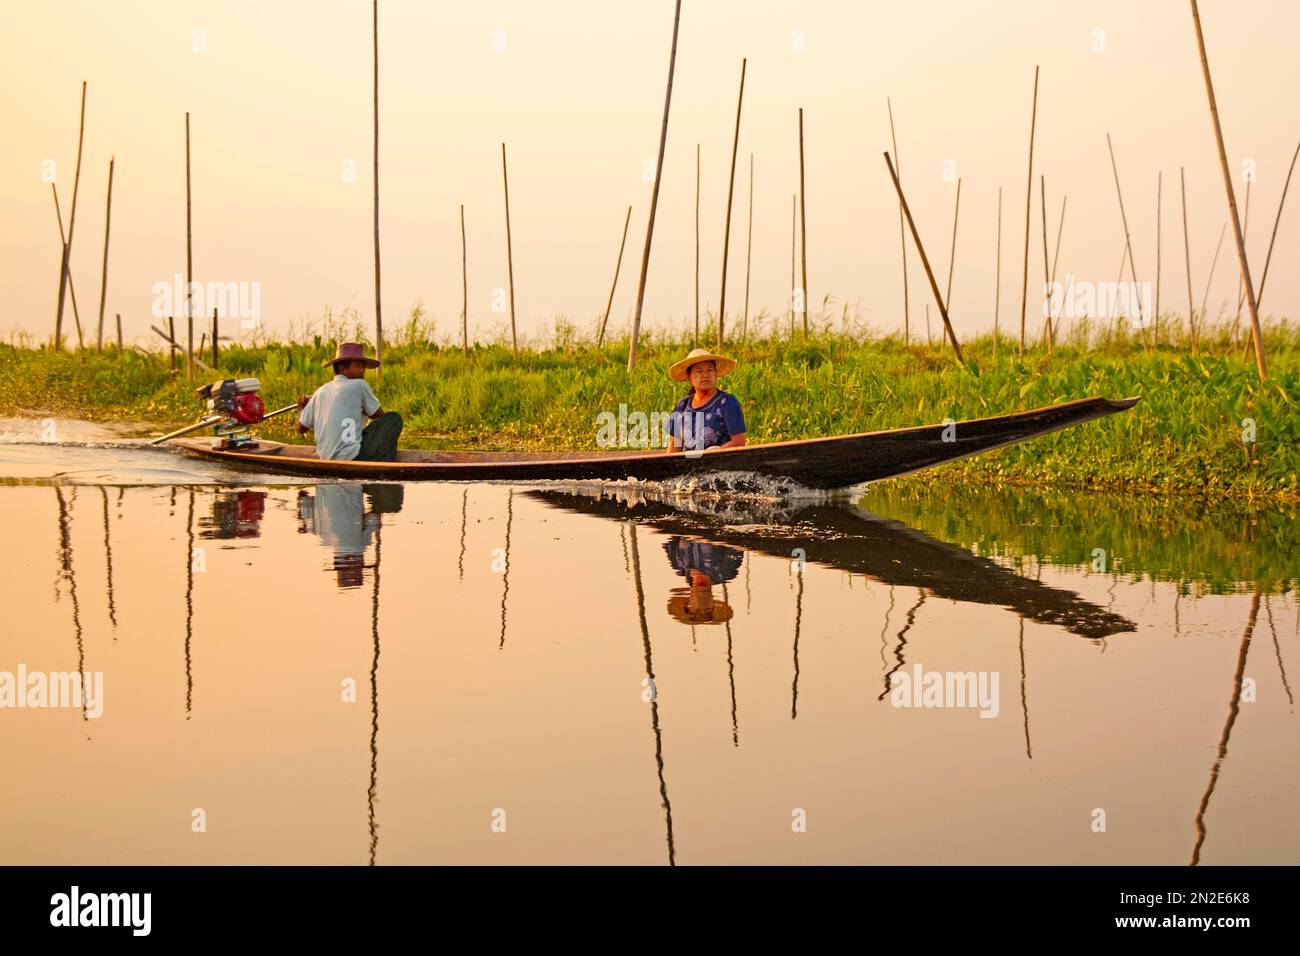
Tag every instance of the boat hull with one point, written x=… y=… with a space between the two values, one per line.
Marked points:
x=822 y=463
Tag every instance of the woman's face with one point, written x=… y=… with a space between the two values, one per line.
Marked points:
x=704 y=376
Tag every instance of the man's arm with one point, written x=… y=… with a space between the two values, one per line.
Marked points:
x=304 y=419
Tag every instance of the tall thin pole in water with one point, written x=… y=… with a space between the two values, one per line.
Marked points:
x=464 y=286
x=696 y=334
x=1251 y=302
x=902 y=236
x=1128 y=242
x=103 y=275
x=1159 y=188
x=1276 y=222
x=925 y=261
x=1047 y=272
x=749 y=250
x=952 y=253
x=726 y=230
x=1029 y=201
x=76 y=315
x=379 y=311
x=510 y=255
x=794 y=247
x=600 y=337
x=64 y=265
x=803 y=227
x=189 y=260
x=1187 y=261
x=997 y=281
x=654 y=198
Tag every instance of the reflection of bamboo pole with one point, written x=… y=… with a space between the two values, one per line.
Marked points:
x=108 y=563
x=1024 y=685
x=726 y=229
x=1260 y=362
x=373 y=789
x=925 y=261
x=600 y=338
x=1234 y=705
x=66 y=570
x=902 y=642
x=1277 y=649
x=654 y=693
x=103 y=276
x=902 y=239
x=460 y=561
x=65 y=265
x=654 y=198
x=505 y=574
x=731 y=673
x=798 y=622
x=189 y=608
x=1029 y=202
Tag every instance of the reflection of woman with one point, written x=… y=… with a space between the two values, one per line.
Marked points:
x=702 y=565
x=337 y=515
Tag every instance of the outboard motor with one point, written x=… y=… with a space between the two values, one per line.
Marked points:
x=233 y=405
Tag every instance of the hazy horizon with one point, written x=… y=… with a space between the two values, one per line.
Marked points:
x=280 y=102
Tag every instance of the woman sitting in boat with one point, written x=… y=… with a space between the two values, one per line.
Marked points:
x=707 y=417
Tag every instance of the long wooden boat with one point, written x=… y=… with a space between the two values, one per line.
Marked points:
x=822 y=463
x=853 y=539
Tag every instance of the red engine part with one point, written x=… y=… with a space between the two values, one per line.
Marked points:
x=249 y=409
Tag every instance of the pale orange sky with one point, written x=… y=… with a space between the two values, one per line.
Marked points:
x=281 y=99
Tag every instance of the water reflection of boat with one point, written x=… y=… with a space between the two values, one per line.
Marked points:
x=851 y=539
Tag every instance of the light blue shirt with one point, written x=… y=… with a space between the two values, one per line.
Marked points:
x=337 y=413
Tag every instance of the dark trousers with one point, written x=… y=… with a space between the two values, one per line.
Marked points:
x=379 y=438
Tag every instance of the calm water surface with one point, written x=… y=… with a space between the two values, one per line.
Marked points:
x=441 y=673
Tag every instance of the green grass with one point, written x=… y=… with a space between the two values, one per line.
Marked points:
x=1185 y=436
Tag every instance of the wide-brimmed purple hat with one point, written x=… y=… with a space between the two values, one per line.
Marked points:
x=352 y=352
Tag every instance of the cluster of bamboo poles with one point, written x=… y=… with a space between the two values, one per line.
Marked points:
x=67 y=289
x=1248 y=294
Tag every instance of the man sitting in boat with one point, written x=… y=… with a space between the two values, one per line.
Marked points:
x=707 y=417
x=337 y=409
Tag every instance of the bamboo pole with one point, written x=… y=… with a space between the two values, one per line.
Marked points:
x=1253 y=305
x=464 y=286
x=65 y=264
x=600 y=339
x=72 y=291
x=794 y=247
x=925 y=262
x=510 y=256
x=379 y=311
x=1213 y=262
x=1187 y=260
x=803 y=227
x=119 y=333
x=176 y=346
x=695 y=336
x=902 y=239
x=1047 y=274
x=952 y=253
x=1156 y=330
x=726 y=230
x=654 y=198
x=103 y=275
x=216 y=348
x=1276 y=222
x=997 y=282
x=1128 y=242
x=1029 y=201
x=189 y=261
x=1056 y=256
x=171 y=337
x=749 y=250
